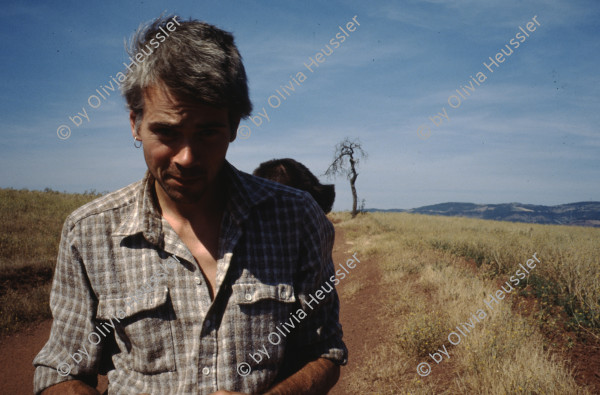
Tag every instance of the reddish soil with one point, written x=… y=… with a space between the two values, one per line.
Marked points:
x=18 y=351
x=16 y=359
x=359 y=314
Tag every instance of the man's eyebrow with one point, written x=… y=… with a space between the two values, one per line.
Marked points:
x=160 y=125
x=167 y=125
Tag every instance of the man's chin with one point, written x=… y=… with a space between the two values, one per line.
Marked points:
x=186 y=197
x=184 y=193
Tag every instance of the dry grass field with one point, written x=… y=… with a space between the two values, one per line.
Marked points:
x=30 y=227
x=437 y=274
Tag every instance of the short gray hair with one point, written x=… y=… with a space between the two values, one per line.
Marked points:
x=197 y=61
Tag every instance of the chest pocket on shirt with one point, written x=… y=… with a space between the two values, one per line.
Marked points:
x=260 y=309
x=142 y=330
x=264 y=303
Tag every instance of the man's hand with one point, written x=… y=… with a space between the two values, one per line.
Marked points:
x=315 y=378
x=71 y=387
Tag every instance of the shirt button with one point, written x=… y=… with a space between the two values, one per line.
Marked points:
x=198 y=280
x=207 y=322
x=248 y=297
x=205 y=371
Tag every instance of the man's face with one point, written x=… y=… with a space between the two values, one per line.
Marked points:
x=184 y=143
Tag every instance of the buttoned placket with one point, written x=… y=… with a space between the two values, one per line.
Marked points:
x=207 y=358
x=230 y=234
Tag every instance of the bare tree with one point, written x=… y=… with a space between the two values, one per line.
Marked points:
x=345 y=162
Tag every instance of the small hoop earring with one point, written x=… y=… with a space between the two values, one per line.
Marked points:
x=135 y=143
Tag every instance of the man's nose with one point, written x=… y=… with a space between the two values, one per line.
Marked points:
x=185 y=157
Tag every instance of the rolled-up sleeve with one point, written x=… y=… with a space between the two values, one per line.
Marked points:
x=321 y=332
x=69 y=354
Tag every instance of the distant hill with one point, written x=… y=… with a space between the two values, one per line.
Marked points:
x=580 y=214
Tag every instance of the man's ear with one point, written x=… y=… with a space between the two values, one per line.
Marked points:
x=234 y=123
x=132 y=117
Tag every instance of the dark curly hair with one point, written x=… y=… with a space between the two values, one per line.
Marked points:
x=289 y=172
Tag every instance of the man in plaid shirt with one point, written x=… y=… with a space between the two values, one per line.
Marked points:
x=199 y=278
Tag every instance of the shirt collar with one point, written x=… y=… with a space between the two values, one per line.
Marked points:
x=145 y=216
x=245 y=192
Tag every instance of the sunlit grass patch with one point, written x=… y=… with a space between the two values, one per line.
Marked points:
x=421 y=332
x=351 y=289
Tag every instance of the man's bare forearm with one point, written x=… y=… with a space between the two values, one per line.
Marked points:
x=71 y=387
x=315 y=378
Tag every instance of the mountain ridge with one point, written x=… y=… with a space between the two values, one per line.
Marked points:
x=574 y=214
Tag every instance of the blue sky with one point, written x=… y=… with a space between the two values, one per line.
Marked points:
x=529 y=133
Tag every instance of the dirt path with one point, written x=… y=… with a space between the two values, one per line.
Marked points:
x=357 y=316
x=16 y=359
x=359 y=313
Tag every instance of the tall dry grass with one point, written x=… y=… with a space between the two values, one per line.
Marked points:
x=30 y=227
x=569 y=275
x=429 y=291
